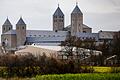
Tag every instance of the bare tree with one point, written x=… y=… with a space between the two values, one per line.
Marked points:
x=116 y=45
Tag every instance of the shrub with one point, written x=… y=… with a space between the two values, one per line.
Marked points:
x=115 y=70
x=29 y=65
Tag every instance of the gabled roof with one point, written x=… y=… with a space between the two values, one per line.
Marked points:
x=37 y=51
x=7 y=22
x=20 y=22
x=68 y=28
x=77 y=10
x=58 y=12
x=86 y=27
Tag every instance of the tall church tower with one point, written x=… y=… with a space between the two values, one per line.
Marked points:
x=7 y=26
x=58 y=20
x=76 y=20
x=21 y=32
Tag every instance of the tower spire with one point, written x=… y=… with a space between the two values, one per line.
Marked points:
x=76 y=2
x=7 y=17
x=20 y=21
x=58 y=19
x=20 y=16
x=7 y=22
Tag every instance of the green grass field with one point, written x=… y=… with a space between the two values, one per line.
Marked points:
x=94 y=76
x=100 y=73
x=90 y=76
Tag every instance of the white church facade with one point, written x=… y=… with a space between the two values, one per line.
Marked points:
x=12 y=39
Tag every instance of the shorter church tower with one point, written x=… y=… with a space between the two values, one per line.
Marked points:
x=7 y=26
x=76 y=20
x=21 y=32
x=58 y=20
x=8 y=37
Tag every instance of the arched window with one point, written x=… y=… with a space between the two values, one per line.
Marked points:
x=3 y=28
x=23 y=28
x=9 y=28
x=3 y=43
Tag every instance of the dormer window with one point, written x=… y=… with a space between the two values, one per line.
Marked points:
x=58 y=36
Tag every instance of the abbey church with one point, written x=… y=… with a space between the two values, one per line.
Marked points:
x=12 y=39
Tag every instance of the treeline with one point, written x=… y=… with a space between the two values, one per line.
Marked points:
x=110 y=49
x=29 y=66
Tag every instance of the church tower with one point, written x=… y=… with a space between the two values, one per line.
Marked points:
x=58 y=20
x=21 y=32
x=76 y=20
x=7 y=26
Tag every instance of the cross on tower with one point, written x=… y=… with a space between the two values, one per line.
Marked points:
x=76 y=2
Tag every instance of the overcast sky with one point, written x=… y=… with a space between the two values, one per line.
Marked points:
x=37 y=14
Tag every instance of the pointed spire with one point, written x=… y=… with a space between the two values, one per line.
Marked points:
x=20 y=21
x=58 y=12
x=76 y=2
x=77 y=10
x=7 y=22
